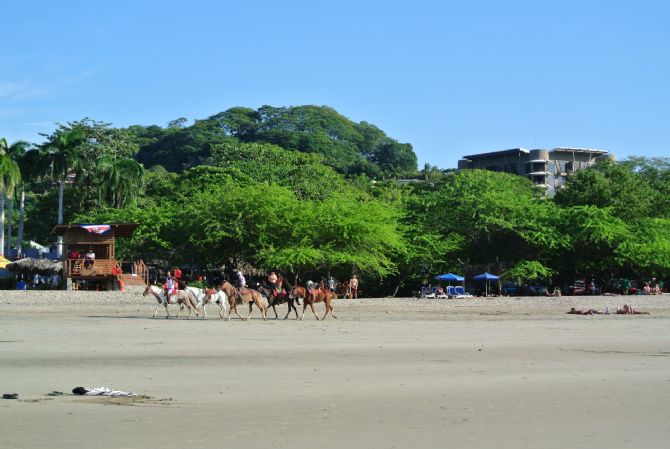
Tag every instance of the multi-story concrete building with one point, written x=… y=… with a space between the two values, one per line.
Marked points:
x=547 y=169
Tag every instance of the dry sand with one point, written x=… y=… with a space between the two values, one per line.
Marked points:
x=389 y=373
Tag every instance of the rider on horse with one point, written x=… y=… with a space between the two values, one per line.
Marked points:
x=170 y=286
x=241 y=284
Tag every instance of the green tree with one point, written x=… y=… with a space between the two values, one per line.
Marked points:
x=10 y=176
x=119 y=181
x=609 y=184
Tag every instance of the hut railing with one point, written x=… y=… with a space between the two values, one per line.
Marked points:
x=99 y=267
x=107 y=267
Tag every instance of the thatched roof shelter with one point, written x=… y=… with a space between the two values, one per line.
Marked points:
x=34 y=266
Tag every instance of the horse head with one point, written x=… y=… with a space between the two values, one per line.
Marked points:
x=148 y=290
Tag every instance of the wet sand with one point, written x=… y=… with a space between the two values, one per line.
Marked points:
x=388 y=373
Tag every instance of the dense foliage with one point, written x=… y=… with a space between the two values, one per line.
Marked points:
x=306 y=191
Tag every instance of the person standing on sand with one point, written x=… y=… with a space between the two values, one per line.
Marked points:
x=353 y=285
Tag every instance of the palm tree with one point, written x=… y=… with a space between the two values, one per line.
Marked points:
x=32 y=168
x=16 y=151
x=10 y=175
x=119 y=181
x=63 y=154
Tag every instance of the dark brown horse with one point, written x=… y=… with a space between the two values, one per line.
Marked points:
x=274 y=298
x=310 y=297
x=248 y=296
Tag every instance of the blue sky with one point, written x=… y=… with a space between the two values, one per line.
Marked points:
x=451 y=78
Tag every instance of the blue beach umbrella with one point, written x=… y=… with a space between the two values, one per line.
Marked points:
x=486 y=277
x=450 y=277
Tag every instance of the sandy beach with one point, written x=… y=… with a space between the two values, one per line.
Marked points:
x=388 y=373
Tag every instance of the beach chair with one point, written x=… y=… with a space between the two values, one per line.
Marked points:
x=461 y=293
x=451 y=292
x=427 y=293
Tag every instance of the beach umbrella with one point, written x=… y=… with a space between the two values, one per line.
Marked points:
x=486 y=277
x=450 y=277
x=29 y=265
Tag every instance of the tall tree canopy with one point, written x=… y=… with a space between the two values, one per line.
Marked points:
x=351 y=148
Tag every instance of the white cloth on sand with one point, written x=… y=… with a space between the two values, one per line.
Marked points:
x=104 y=391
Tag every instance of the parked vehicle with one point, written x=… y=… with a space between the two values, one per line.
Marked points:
x=511 y=289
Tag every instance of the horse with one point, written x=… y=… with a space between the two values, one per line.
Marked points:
x=204 y=299
x=275 y=298
x=320 y=294
x=249 y=295
x=182 y=297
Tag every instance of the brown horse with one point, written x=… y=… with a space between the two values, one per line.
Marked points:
x=320 y=294
x=249 y=296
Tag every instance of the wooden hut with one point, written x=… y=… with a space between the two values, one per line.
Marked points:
x=105 y=272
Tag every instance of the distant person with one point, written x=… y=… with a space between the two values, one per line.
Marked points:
x=89 y=258
x=21 y=285
x=556 y=292
x=241 y=285
x=272 y=279
x=353 y=284
x=630 y=310
x=574 y=311
x=331 y=283
x=170 y=286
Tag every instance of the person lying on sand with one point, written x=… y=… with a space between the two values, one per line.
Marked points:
x=574 y=311
x=630 y=310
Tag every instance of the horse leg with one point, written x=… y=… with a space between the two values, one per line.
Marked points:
x=193 y=304
x=204 y=310
x=275 y=310
x=156 y=311
x=250 y=305
x=264 y=310
x=220 y=303
x=304 y=306
x=289 y=304
x=233 y=308
x=181 y=307
x=311 y=305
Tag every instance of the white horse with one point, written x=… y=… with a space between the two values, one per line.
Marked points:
x=182 y=297
x=220 y=298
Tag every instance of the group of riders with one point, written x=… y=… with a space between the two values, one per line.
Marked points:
x=279 y=287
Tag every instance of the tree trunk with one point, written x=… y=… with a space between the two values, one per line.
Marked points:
x=61 y=189
x=2 y=222
x=9 y=226
x=19 y=236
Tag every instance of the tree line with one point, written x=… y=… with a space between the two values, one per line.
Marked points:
x=304 y=189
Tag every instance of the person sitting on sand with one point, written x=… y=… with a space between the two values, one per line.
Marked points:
x=556 y=292
x=630 y=310
x=574 y=311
